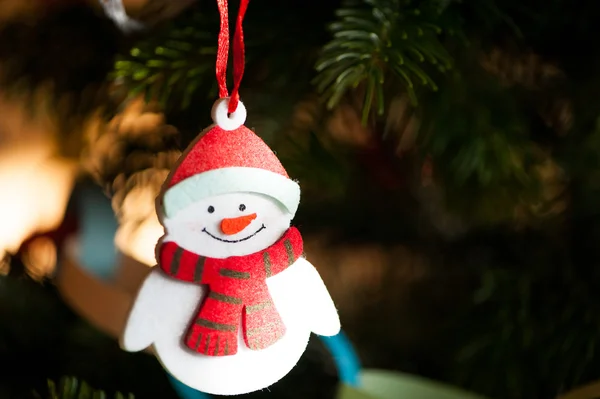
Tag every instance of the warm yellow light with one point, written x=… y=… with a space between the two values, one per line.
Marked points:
x=34 y=191
x=139 y=228
x=135 y=195
x=35 y=185
x=4 y=266
x=140 y=241
x=40 y=257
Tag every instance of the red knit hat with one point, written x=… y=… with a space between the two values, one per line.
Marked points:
x=228 y=161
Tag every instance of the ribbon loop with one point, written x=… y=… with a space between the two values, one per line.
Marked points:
x=238 y=52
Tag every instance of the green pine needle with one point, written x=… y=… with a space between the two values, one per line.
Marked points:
x=171 y=66
x=369 y=44
x=72 y=388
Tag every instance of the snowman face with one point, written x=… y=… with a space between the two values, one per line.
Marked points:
x=227 y=225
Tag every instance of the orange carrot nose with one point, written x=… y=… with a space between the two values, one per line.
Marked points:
x=235 y=225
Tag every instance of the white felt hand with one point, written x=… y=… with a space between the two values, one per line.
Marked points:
x=321 y=313
x=141 y=328
x=159 y=304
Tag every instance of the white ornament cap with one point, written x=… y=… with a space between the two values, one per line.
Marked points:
x=222 y=118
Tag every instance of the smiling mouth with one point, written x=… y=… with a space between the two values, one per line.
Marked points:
x=234 y=241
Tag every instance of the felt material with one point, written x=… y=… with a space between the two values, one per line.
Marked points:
x=198 y=230
x=220 y=181
x=164 y=307
x=237 y=289
x=224 y=161
x=220 y=148
x=231 y=226
x=228 y=120
x=225 y=204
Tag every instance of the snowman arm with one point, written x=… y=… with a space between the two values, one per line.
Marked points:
x=321 y=311
x=142 y=322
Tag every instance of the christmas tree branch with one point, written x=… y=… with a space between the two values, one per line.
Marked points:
x=72 y=388
x=376 y=42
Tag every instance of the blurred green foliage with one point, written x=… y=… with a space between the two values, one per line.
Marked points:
x=381 y=43
x=56 y=64
x=487 y=155
x=173 y=70
x=72 y=388
x=539 y=307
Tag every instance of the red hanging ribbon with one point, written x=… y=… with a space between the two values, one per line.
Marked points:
x=238 y=53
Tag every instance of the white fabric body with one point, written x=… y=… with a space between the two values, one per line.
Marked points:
x=165 y=307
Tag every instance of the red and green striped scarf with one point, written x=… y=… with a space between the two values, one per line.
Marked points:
x=237 y=291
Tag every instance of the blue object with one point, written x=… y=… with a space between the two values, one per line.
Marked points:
x=185 y=392
x=99 y=256
x=98 y=226
x=345 y=357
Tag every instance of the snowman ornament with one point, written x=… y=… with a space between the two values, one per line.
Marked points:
x=230 y=307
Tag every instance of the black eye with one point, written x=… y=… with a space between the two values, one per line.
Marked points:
x=242 y=207
x=211 y=209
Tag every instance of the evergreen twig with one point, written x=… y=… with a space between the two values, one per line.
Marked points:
x=173 y=65
x=72 y=388
x=388 y=40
